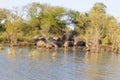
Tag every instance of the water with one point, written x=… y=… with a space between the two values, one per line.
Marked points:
x=39 y=64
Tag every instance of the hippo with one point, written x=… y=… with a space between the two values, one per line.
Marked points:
x=48 y=44
x=68 y=44
x=80 y=43
x=41 y=43
x=51 y=45
x=39 y=38
x=36 y=38
x=55 y=41
x=67 y=37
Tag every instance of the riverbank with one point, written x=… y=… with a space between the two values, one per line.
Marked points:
x=108 y=48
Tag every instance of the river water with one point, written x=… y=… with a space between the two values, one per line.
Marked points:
x=43 y=64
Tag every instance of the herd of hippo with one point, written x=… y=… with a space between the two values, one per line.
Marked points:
x=66 y=40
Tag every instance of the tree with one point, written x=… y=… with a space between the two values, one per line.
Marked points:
x=98 y=7
x=46 y=20
x=4 y=13
x=14 y=26
x=97 y=27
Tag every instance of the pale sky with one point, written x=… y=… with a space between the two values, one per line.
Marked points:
x=80 y=5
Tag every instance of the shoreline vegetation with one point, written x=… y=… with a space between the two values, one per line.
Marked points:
x=95 y=29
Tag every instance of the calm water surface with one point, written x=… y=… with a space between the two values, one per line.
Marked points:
x=39 y=64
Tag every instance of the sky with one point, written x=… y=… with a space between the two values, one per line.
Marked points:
x=79 y=5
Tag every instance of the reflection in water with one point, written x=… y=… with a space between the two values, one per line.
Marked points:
x=12 y=52
x=68 y=64
x=94 y=71
x=1 y=47
x=34 y=53
x=54 y=54
x=101 y=66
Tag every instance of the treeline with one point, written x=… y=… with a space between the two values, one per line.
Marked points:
x=22 y=24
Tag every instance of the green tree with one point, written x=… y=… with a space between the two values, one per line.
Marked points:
x=46 y=20
x=99 y=7
x=95 y=31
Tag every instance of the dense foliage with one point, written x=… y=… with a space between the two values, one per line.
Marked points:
x=46 y=20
